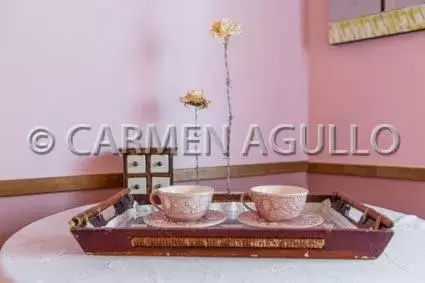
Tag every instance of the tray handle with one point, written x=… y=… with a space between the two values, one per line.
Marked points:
x=100 y=214
x=369 y=218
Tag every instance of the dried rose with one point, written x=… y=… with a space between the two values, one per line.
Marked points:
x=196 y=99
x=224 y=28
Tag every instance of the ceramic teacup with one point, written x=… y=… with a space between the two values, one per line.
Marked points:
x=277 y=203
x=185 y=203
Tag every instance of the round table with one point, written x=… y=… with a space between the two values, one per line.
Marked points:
x=45 y=252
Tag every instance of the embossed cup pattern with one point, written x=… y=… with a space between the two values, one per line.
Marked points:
x=277 y=209
x=185 y=208
x=183 y=203
x=277 y=203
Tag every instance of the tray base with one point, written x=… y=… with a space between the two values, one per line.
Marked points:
x=350 y=231
x=241 y=253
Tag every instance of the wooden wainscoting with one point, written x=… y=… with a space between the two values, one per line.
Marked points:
x=371 y=171
x=115 y=180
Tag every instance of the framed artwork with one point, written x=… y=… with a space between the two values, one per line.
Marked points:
x=355 y=20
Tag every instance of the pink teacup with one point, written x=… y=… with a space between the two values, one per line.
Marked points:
x=185 y=203
x=277 y=203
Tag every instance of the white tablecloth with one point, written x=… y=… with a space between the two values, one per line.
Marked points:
x=45 y=252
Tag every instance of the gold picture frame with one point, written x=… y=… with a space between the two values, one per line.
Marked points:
x=382 y=24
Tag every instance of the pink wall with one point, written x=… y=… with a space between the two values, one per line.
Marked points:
x=367 y=83
x=97 y=62
x=102 y=62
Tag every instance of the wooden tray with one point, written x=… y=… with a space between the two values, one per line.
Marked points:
x=114 y=227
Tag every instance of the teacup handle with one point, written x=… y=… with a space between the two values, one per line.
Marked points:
x=243 y=196
x=152 y=201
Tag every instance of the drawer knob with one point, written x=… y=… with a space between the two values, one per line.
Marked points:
x=136 y=187
x=159 y=164
x=135 y=163
x=157 y=186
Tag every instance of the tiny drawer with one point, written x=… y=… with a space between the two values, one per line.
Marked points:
x=160 y=163
x=136 y=164
x=160 y=182
x=137 y=185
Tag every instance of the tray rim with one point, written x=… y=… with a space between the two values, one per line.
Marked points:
x=368 y=213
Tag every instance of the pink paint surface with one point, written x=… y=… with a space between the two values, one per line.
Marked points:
x=367 y=83
x=102 y=62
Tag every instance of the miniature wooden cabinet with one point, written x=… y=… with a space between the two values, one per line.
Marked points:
x=146 y=170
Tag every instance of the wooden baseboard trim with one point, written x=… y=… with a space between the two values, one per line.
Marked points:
x=115 y=180
x=370 y=171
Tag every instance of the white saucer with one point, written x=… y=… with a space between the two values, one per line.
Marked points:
x=159 y=220
x=306 y=220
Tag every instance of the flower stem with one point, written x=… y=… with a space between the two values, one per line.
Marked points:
x=230 y=113
x=196 y=148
